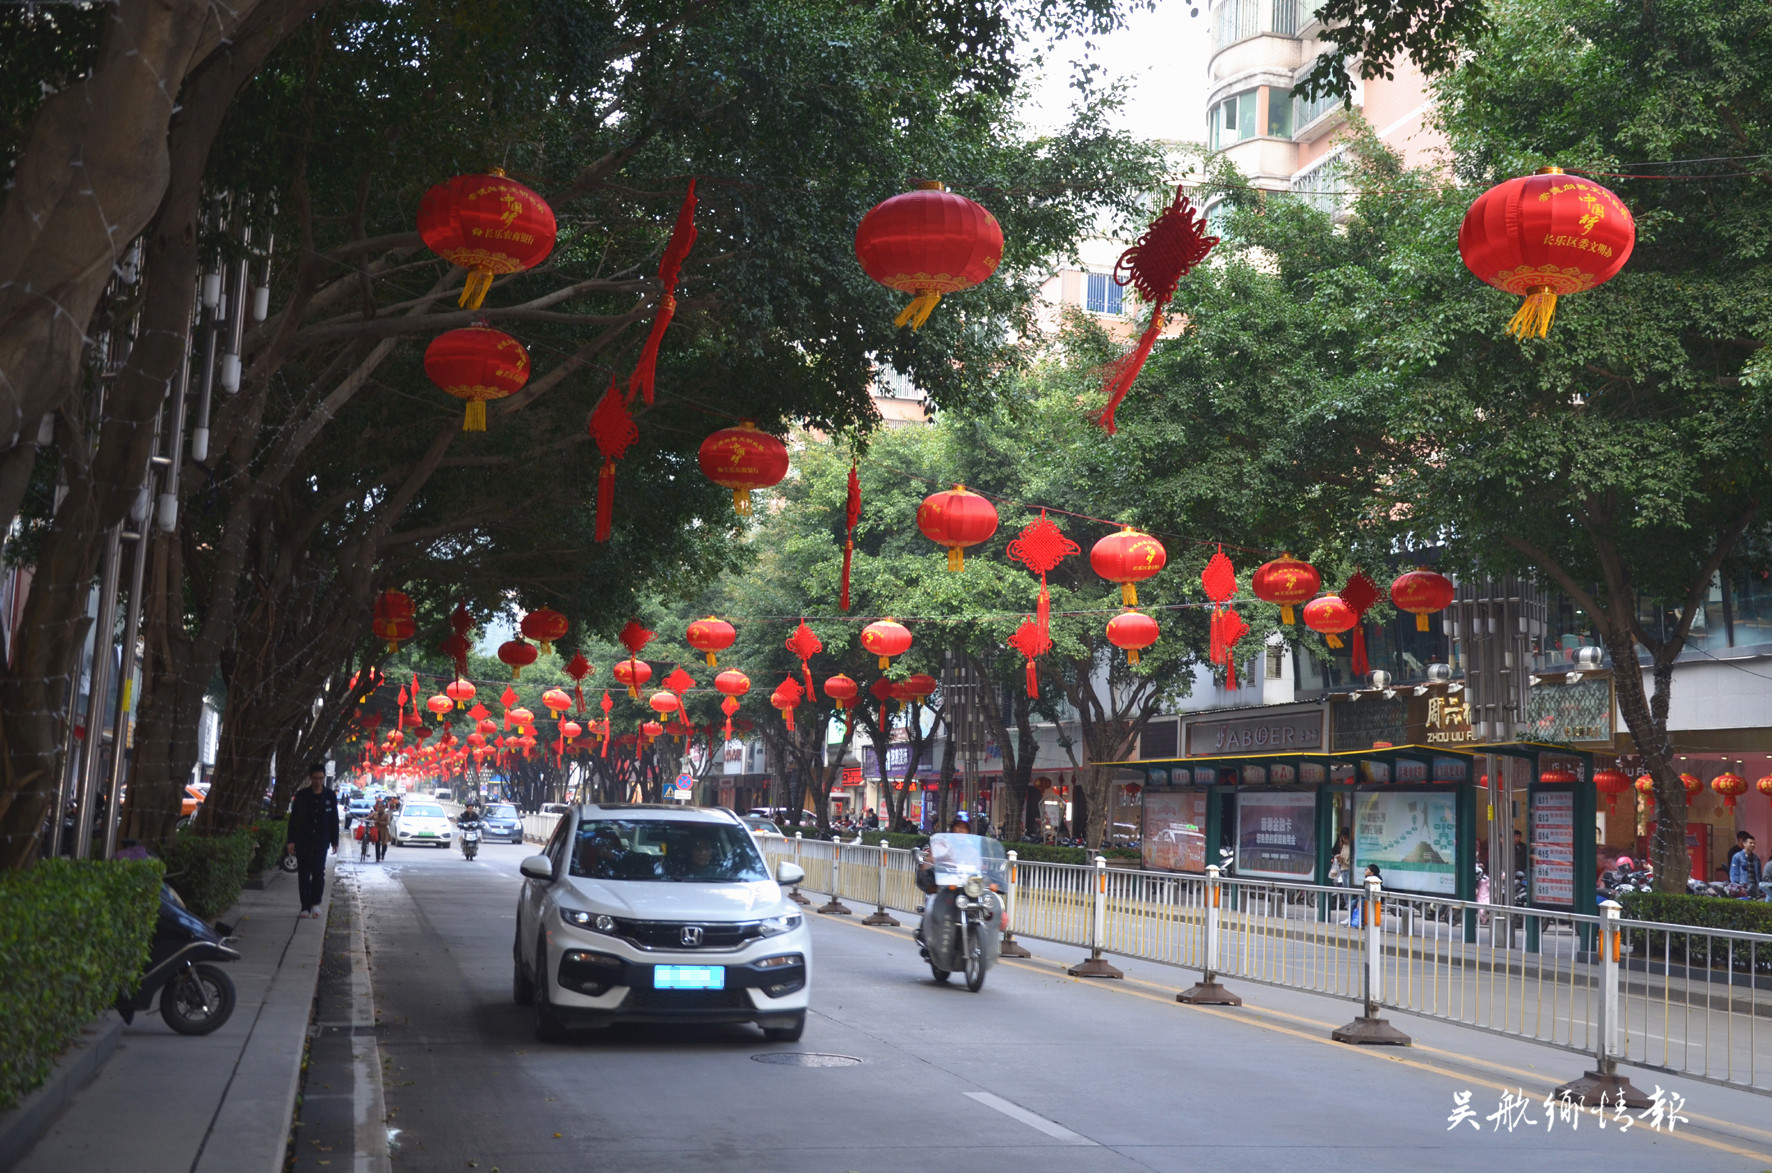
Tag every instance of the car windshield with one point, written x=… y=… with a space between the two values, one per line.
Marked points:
x=503 y=810
x=666 y=851
x=422 y=810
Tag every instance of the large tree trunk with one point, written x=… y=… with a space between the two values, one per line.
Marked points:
x=1646 y=718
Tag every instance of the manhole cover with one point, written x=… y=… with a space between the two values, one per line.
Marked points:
x=806 y=1059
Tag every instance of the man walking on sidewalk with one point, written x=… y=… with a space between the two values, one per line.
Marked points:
x=313 y=827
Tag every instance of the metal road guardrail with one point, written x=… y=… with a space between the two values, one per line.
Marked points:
x=1688 y=1001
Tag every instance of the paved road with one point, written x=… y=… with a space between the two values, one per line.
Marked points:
x=1036 y=1072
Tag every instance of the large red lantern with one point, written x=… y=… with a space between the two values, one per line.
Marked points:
x=477 y=363
x=1541 y=236
x=557 y=701
x=920 y=687
x=1729 y=785
x=841 y=689
x=632 y=673
x=926 y=243
x=664 y=703
x=1646 y=787
x=1128 y=558
x=1132 y=631
x=1421 y=592
x=709 y=636
x=459 y=691
x=1330 y=616
x=733 y=683
x=956 y=518
x=1611 y=783
x=1286 y=582
x=518 y=654
x=440 y=705
x=1693 y=785
x=785 y=699
x=393 y=618
x=886 y=638
x=487 y=224
x=742 y=459
x=1558 y=775
x=544 y=627
x=1764 y=786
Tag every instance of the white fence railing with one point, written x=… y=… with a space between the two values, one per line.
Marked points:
x=1677 y=999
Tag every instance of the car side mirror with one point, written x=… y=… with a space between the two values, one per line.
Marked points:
x=789 y=873
x=537 y=867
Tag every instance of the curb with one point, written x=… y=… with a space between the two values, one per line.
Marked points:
x=24 y=1126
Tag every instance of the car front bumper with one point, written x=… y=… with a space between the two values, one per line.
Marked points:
x=599 y=981
x=440 y=838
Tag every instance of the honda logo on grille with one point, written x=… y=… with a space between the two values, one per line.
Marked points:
x=692 y=935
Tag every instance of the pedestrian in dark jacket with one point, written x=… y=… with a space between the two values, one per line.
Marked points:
x=313 y=827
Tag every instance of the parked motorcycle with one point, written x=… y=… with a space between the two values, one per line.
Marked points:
x=195 y=998
x=962 y=927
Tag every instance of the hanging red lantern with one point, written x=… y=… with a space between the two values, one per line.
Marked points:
x=785 y=699
x=1730 y=785
x=732 y=682
x=920 y=687
x=477 y=740
x=742 y=459
x=956 y=518
x=1611 y=783
x=1329 y=617
x=1286 y=582
x=570 y=730
x=1693 y=784
x=544 y=627
x=886 y=638
x=1421 y=592
x=1128 y=558
x=710 y=636
x=927 y=243
x=1764 y=786
x=459 y=691
x=1544 y=235
x=518 y=654
x=1646 y=787
x=487 y=224
x=440 y=705
x=841 y=689
x=653 y=731
x=1558 y=775
x=519 y=717
x=393 y=618
x=487 y=727
x=557 y=701
x=1132 y=631
x=664 y=703
x=477 y=363
x=633 y=673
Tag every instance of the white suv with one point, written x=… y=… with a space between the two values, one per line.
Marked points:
x=652 y=913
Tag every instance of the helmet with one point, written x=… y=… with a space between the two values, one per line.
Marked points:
x=1624 y=861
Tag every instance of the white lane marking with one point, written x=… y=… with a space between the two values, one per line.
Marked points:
x=1057 y=1132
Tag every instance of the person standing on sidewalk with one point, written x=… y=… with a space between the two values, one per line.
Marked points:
x=384 y=828
x=313 y=827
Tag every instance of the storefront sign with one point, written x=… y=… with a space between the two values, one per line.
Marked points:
x=1569 y=714
x=1364 y=723
x=1284 y=733
x=1552 y=845
x=1448 y=721
x=1175 y=830
x=1413 y=838
x=1277 y=834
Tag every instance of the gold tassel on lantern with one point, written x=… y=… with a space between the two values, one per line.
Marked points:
x=474 y=292
x=1129 y=594
x=475 y=419
x=918 y=311
x=741 y=502
x=956 y=558
x=1286 y=615
x=1132 y=656
x=1534 y=317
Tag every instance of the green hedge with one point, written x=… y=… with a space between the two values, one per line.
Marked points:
x=267 y=848
x=208 y=871
x=73 y=935
x=1703 y=912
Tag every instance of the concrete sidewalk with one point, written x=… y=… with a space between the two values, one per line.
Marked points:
x=220 y=1103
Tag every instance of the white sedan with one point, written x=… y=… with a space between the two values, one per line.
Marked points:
x=422 y=822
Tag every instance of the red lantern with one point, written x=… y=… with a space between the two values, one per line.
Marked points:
x=440 y=705
x=476 y=740
x=664 y=703
x=487 y=224
x=956 y=518
x=393 y=618
x=1329 y=616
x=742 y=459
x=1558 y=774
x=1132 y=631
x=1544 y=235
x=886 y=638
x=842 y=690
x=487 y=727
x=732 y=682
x=1128 y=558
x=1729 y=785
x=1764 y=786
x=477 y=363
x=709 y=636
x=1611 y=783
x=1286 y=582
x=926 y=243
x=544 y=627
x=920 y=687
x=557 y=701
x=1692 y=784
x=570 y=730
x=459 y=691
x=1421 y=592
x=632 y=673
x=519 y=717
x=518 y=654
x=653 y=731
x=1646 y=787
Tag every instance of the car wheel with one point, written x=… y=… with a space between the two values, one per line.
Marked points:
x=787 y=1034
x=548 y=1027
x=522 y=985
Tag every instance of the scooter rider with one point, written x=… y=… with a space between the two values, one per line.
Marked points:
x=469 y=819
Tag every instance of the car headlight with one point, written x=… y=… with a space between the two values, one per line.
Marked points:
x=780 y=924
x=975 y=886
x=596 y=922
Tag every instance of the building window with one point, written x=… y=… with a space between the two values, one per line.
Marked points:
x=1279 y=113
x=1104 y=296
x=1286 y=17
x=1307 y=110
x=1233 y=120
x=1235 y=20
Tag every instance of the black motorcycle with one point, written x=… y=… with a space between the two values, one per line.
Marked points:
x=962 y=926
x=195 y=997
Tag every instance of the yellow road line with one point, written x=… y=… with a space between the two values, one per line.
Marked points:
x=1115 y=987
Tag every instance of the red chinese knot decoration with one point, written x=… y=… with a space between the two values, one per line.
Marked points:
x=487 y=224
x=1040 y=547
x=851 y=515
x=670 y=266
x=927 y=243
x=1032 y=641
x=614 y=432
x=477 y=363
x=1219 y=578
x=1359 y=594
x=805 y=644
x=785 y=699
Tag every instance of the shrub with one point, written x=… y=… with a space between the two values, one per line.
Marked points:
x=1700 y=912
x=208 y=871
x=73 y=935
x=267 y=846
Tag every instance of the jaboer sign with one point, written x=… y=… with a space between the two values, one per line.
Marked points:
x=1284 y=733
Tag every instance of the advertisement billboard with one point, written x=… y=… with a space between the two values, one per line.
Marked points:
x=1175 y=830
x=1412 y=837
x=1277 y=834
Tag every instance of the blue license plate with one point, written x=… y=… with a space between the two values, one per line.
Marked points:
x=689 y=977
